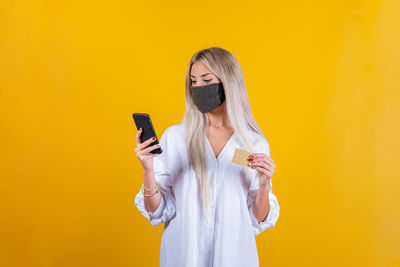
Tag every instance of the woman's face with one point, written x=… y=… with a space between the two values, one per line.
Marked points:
x=200 y=75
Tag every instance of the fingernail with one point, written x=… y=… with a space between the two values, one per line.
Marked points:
x=250 y=159
x=153 y=138
x=251 y=163
x=159 y=145
x=251 y=156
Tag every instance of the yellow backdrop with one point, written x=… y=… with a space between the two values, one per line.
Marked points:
x=323 y=78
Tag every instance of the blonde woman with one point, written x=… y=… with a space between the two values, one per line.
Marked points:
x=212 y=208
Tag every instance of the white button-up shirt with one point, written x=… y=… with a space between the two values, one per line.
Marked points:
x=189 y=238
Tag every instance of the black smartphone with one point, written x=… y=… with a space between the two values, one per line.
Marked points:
x=142 y=120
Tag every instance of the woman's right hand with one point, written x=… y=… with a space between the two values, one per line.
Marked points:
x=143 y=152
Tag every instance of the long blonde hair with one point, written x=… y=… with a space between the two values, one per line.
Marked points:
x=225 y=66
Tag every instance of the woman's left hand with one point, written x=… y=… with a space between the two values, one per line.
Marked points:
x=264 y=165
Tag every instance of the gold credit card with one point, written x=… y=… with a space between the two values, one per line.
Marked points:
x=241 y=157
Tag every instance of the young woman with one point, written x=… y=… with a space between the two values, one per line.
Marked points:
x=212 y=208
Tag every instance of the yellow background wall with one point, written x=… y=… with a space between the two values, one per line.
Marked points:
x=323 y=79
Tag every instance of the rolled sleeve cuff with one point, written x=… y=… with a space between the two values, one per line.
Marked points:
x=269 y=221
x=154 y=217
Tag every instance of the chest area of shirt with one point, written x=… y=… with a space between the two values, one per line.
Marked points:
x=217 y=140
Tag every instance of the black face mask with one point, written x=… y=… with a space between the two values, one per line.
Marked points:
x=208 y=97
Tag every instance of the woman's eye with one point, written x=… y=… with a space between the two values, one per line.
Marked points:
x=207 y=81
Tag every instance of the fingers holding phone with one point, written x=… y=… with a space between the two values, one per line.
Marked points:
x=143 y=151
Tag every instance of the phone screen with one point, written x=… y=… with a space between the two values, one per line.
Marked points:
x=142 y=120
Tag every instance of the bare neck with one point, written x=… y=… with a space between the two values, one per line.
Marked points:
x=218 y=118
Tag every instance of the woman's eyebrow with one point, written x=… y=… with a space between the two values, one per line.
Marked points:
x=201 y=75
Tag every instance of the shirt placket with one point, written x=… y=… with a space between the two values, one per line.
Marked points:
x=215 y=189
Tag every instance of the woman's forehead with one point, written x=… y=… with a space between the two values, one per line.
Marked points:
x=199 y=70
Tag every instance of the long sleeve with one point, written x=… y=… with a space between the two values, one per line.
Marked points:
x=273 y=214
x=166 y=210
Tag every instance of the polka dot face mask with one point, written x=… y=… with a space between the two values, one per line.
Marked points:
x=208 y=97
